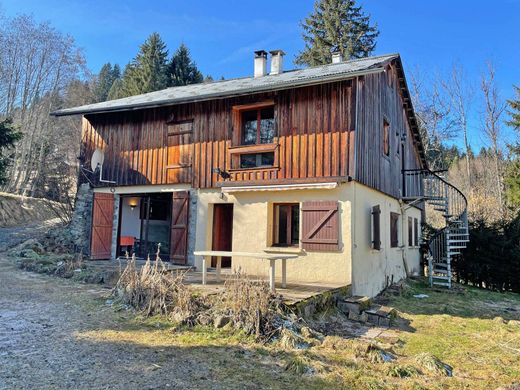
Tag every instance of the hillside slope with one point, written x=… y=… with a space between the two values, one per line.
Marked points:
x=16 y=210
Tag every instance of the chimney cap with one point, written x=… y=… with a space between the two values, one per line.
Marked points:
x=337 y=57
x=260 y=53
x=277 y=52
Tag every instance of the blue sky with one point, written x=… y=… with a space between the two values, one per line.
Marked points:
x=429 y=35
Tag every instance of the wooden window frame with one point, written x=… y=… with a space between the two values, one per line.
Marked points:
x=375 y=230
x=288 y=226
x=236 y=149
x=386 y=137
x=394 y=233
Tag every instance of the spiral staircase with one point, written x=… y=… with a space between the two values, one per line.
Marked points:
x=447 y=243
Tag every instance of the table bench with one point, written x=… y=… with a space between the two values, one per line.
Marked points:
x=272 y=257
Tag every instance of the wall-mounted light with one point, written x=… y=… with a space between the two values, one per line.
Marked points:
x=133 y=202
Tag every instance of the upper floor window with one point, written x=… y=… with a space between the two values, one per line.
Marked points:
x=386 y=137
x=258 y=126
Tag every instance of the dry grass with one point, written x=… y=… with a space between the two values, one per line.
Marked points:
x=251 y=305
x=153 y=290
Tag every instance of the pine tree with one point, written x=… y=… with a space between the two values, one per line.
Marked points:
x=8 y=136
x=106 y=78
x=146 y=72
x=336 y=26
x=514 y=110
x=182 y=70
x=512 y=178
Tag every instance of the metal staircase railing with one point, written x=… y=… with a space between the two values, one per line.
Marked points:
x=448 y=242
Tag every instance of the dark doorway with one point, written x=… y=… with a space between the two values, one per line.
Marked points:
x=222 y=231
x=144 y=223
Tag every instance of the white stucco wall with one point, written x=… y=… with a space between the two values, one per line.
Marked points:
x=252 y=232
x=130 y=221
x=373 y=270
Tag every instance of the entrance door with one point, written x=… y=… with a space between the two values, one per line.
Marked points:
x=102 y=217
x=222 y=231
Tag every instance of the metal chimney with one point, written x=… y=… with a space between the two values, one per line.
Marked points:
x=260 y=63
x=276 y=61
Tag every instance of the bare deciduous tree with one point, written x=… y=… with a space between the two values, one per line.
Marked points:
x=461 y=93
x=492 y=120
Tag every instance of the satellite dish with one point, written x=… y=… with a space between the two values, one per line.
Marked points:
x=97 y=159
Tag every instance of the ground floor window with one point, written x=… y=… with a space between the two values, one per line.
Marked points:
x=394 y=230
x=416 y=231
x=286 y=224
x=410 y=231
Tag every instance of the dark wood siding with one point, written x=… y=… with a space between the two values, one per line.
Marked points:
x=380 y=100
x=315 y=139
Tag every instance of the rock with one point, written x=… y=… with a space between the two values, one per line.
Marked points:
x=309 y=333
x=514 y=322
x=221 y=320
x=355 y=304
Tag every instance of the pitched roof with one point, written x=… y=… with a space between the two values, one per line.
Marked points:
x=234 y=87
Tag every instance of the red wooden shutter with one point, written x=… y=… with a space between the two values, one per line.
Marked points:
x=320 y=222
x=179 y=227
x=376 y=227
x=102 y=218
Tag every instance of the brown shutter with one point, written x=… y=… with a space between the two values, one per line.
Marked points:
x=320 y=222
x=102 y=218
x=376 y=227
x=179 y=227
x=416 y=231
x=394 y=230
x=410 y=231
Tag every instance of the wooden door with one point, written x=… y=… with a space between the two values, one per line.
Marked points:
x=222 y=231
x=179 y=166
x=102 y=218
x=179 y=227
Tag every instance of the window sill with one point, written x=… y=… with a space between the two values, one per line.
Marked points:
x=268 y=167
x=249 y=149
x=283 y=249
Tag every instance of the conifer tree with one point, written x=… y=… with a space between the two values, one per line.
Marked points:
x=514 y=110
x=107 y=76
x=147 y=71
x=8 y=136
x=512 y=178
x=336 y=26
x=182 y=70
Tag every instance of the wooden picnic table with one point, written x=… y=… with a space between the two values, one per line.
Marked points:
x=272 y=257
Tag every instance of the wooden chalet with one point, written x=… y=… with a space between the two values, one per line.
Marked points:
x=324 y=162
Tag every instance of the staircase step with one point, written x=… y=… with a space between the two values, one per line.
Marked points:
x=457 y=246
x=450 y=240
x=441 y=277
x=441 y=284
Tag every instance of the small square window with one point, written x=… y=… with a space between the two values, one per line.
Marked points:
x=257 y=160
x=286 y=224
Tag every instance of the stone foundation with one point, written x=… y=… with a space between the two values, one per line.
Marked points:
x=79 y=227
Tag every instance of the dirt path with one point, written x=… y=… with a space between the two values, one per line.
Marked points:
x=56 y=334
